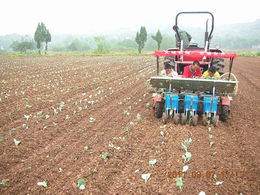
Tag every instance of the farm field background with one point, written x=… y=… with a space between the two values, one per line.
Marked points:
x=65 y=118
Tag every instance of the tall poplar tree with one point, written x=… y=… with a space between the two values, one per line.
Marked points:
x=158 y=38
x=141 y=38
x=42 y=35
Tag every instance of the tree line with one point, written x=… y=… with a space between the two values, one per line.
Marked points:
x=103 y=44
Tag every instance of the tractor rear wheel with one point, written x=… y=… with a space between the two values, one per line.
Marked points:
x=158 y=109
x=219 y=63
x=224 y=113
x=176 y=118
x=183 y=119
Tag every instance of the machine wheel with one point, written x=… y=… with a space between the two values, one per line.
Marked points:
x=219 y=63
x=216 y=120
x=158 y=109
x=195 y=120
x=183 y=119
x=224 y=113
x=164 y=118
x=176 y=118
x=204 y=120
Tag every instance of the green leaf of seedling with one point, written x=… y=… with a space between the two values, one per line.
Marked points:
x=1 y=139
x=184 y=147
x=211 y=144
x=86 y=148
x=3 y=183
x=138 y=117
x=210 y=136
x=81 y=184
x=179 y=183
x=104 y=155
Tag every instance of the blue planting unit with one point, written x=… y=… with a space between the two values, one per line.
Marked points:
x=171 y=102
x=191 y=103
x=210 y=104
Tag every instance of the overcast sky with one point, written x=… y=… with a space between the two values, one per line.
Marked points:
x=101 y=16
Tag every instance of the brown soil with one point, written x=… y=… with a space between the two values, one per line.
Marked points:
x=113 y=90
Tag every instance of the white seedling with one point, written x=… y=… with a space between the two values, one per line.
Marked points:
x=138 y=117
x=185 y=168
x=44 y=184
x=162 y=133
x=152 y=162
x=17 y=142
x=188 y=141
x=26 y=117
x=146 y=176
x=202 y=193
x=186 y=157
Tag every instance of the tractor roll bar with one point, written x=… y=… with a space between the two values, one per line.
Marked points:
x=212 y=26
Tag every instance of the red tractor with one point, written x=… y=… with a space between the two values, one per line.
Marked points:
x=183 y=98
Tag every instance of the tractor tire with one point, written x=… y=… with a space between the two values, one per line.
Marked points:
x=216 y=120
x=195 y=120
x=224 y=113
x=219 y=63
x=158 y=109
x=183 y=119
x=204 y=120
x=164 y=118
x=176 y=118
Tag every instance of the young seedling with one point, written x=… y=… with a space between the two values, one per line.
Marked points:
x=3 y=183
x=146 y=176
x=179 y=183
x=184 y=147
x=138 y=117
x=186 y=157
x=104 y=155
x=81 y=184
x=17 y=142
x=152 y=162
x=127 y=130
x=44 y=184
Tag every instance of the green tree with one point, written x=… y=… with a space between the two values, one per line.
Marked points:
x=75 y=45
x=141 y=38
x=38 y=37
x=47 y=39
x=14 y=46
x=158 y=38
x=25 y=46
x=100 y=44
x=42 y=35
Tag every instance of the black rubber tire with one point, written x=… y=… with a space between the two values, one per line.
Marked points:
x=195 y=120
x=183 y=119
x=158 y=109
x=176 y=118
x=224 y=113
x=219 y=63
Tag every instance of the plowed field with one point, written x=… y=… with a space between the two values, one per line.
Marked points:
x=68 y=118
